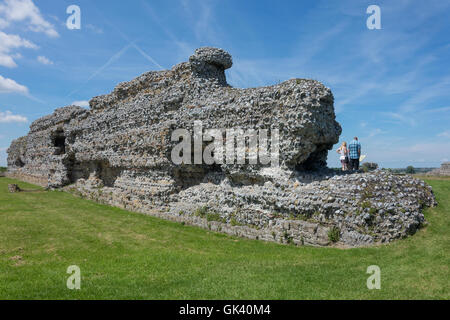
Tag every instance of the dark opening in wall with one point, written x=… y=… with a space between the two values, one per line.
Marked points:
x=187 y=176
x=316 y=160
x=107 y=174
x=100 y=169
x=59 y=142
x=19 y=163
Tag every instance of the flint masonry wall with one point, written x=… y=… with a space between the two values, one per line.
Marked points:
x=119 y=152
x=444 y=170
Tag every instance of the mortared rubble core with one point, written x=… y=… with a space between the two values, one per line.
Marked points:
x=119 y=152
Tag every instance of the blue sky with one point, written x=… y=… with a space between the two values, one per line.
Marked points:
x=391 y=86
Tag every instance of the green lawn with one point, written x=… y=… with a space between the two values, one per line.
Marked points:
x=125 y=255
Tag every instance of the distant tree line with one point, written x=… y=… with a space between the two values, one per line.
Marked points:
x=371 y=166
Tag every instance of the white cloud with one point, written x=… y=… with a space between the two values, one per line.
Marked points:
x=10 y=86
x=445 y=134
x=94 y=29
x=82 y=103
x=44 y=60
x=8 y=42
x=26 y=14
x=7 y=61
x=25 y=11
x=9 y=117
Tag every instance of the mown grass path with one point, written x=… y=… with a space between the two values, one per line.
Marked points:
x=125 y=255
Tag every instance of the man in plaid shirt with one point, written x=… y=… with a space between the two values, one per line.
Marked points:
x=354 y=149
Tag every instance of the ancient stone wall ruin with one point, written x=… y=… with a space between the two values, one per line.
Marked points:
x=119 y=152
x=444 y=170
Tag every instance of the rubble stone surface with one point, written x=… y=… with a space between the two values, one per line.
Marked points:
x=119 y=152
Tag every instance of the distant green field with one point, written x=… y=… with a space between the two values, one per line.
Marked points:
x=125 y=255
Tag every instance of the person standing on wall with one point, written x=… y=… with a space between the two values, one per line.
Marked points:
x=354 y=149
x=343 y=151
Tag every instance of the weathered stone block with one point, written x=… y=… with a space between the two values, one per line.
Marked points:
x=13 y=188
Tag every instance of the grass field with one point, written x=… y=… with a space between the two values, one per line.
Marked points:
x=124 y=255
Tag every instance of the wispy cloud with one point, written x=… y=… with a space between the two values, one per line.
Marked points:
x=417 y=107
x=25 y=12
x=11 y=86
x=401 y=152
x=300 y=62
x=426 y=94
x=9 y=42
x=8 y=86
x=184 y=48
x=444 y=134
x=437 y=110
x=400 y=118
x=44 y=60
x=427 y=150
x=357 y=93
x=94 y=28
x=115 y=57
x=200 y=15
x=9 y=117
